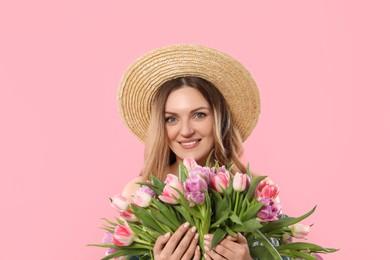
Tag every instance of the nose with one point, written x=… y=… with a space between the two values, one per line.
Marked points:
x=186 y=129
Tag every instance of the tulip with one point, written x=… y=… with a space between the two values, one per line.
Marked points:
x=241 y=182
x=148 y=190
x=220 y=181
x=123 y=235
x=287 y=238
x=300 y=230
x=195 y=182
x=270 y=211
x=195 y=198
x=266 y=190
x=169 y=194
x=142 y=199
x=190 y=163
x=120 y=203
x=129 y=216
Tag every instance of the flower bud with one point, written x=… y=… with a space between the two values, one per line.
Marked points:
x=119 y=203
x=169 y=193
x=142 y=199
x=241 y=182
x=300 y=230
x=123 y=235
x=220 y=181
x=270 y=211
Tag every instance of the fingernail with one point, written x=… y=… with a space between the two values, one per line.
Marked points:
x=197 y=248
x=206 y=248
x=206 y=242
x=193 y=229
x=186 y=225
x=167 y=234
x=206 y=236
x=196 y=236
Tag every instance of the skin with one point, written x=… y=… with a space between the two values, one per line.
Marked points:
x=189 y=119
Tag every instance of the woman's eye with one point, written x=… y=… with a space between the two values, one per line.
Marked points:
x=170 y=119
x=199 y=115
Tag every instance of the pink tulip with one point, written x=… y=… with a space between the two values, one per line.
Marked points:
x=300 y=230
x=169 y=194
x=195 y=182
x=147 y=189
x=266 y=190
x=129 y=216
x=142 y=199
x=120 y=203
x=270 y=211
x=220 y=181
x=190 y=163
x=123 y=235
x=241 y=182
x=108 y=236
x=195 y=198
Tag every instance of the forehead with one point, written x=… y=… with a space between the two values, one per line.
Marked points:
x=185 y=98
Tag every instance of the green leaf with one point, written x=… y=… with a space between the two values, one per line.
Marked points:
x=300 y=255
x=230 y=166
x=248 y=226
x=110 y=222
x=285 y=222
x=248 y=171
x=146 y=218
x=298 y=246
x=217 y=237
x=165 y=223
x=186 y=215
x=104 y=245
x=158 y=183
x=183 y=173
x=271 y=249
x=235 y=219
x=260 y=252
x=168 y=212
x=252 y=211
x=209 y=158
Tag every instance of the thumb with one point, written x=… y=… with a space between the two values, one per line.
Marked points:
x=160 y=243
x=241 y=239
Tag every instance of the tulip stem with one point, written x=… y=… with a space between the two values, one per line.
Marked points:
x=236 y=202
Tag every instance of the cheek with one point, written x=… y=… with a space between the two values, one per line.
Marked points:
x=171 y=132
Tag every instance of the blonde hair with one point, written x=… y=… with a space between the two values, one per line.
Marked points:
x=228 y=143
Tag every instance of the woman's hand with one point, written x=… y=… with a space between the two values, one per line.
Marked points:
x=235 y=248
x=180 y=245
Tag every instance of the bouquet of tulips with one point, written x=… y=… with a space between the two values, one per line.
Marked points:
x=215 y=202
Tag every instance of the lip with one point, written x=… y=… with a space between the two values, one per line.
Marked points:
x=189 y=143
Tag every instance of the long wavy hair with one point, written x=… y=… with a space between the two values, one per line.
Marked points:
x=228 y=142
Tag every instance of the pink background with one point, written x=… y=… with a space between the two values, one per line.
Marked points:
x=323 y=72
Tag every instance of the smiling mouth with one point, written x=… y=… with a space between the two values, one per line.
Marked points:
x=189 y=144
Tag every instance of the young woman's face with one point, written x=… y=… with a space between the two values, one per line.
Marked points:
x=189 y=122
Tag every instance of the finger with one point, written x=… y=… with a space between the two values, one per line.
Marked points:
x=191 y=251
x=241 y=239
x=160 y=243
x=211 y=254
x=226 y=251
x=185 y=244
x=175 y=238
x=197 y=253
x=207 y=240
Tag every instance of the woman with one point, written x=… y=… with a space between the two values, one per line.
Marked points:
x=192 y=100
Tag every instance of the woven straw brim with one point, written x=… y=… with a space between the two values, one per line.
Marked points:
x=140 y=82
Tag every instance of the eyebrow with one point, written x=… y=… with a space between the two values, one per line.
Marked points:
x=192 y=111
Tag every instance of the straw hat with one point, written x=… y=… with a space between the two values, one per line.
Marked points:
x=140 y=82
